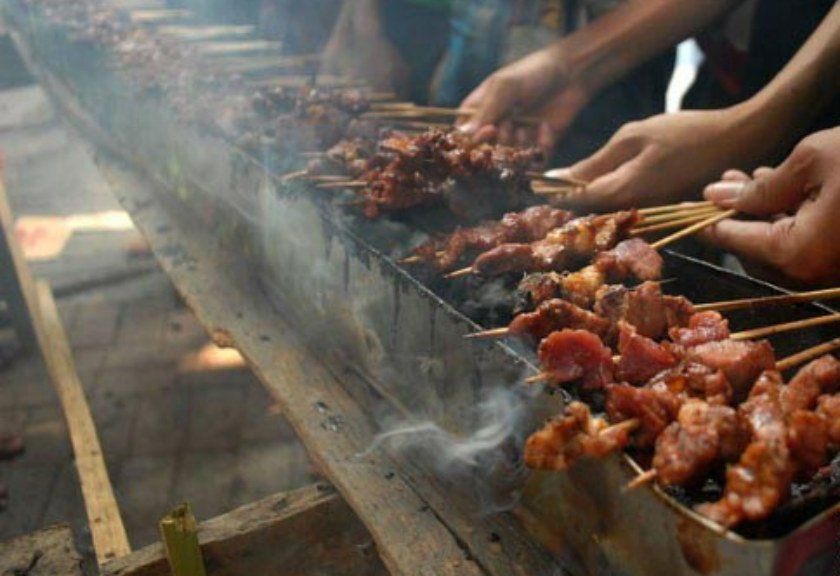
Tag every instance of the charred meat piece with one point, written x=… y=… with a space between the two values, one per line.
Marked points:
x=820 y=376
x=553 y=315
x=572 y=436
x=761 y=479
x=526 y=226
x=740 y=362
x=641 y=358
x=632 y=258
x=447 y=166
x=644 y=307
x=828 y=406
x=693 y=380
x=576 y=355
x=702 y=327
x=654 y=409
x=703 y=436
x=560 y=249
x=808 y=440
x=348 y=157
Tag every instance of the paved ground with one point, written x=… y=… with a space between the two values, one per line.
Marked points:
x=176 y=419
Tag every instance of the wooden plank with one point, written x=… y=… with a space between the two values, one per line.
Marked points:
x=16 y=285
x=216 y=284
x=106 y=527
x=47 y=552
x=306 y=531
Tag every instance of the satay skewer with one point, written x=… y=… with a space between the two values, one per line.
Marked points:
x=737 y=336
x=661 y=243
x=812 y=353
x=716 y=306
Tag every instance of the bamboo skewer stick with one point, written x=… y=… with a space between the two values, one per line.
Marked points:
x=491 y=333
x=671 y=224
x=677 y=214
x=677 y=206
x=808 y=354
x=408 y=110
x=645 y=477
x=726 y=305
x=692 y=229
x=342 y=184
x=785 y=327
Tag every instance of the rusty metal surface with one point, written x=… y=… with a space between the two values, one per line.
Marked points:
x=369 y=316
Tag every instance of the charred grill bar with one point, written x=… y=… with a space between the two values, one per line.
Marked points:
x=331 y=271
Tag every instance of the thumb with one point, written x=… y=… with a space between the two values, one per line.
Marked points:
x=772 y=192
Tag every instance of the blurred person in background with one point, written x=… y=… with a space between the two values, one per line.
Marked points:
x=787 y=87
x=612 y=66
x=390 y=44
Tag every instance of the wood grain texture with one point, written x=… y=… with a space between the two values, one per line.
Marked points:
x=106 y=527
x=306 y=531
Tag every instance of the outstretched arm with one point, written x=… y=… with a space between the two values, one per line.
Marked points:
x=670 y=156
x=556 y=82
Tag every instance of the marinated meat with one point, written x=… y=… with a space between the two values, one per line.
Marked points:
x=562 y=248
x=526 y=226
x=654 y=409
x=703 y=436
x=572 y=436
x=576 y=355
x=740 y=362
x=553 y=315
x=702 y=327
x=641 y=358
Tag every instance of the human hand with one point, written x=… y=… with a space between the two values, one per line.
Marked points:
x=663 y=159
x=537 y=85
x=800 y=201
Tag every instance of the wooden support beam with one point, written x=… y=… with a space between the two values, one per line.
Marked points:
x=306 y=531
x=16 y=285
x=106 y=527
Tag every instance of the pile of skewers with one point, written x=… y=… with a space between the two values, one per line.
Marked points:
x=675 y=384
